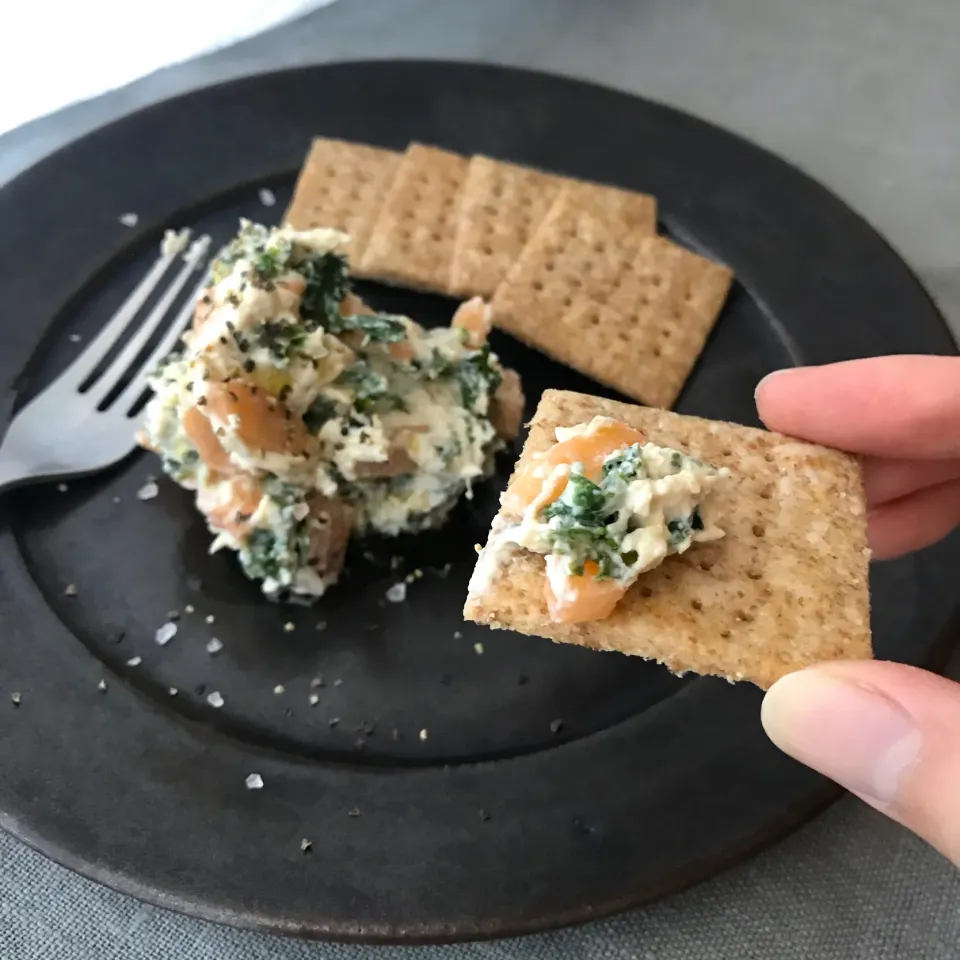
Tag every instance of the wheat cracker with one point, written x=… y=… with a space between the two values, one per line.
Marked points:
x=412 y=240
x=630 y=310
x=786 y=587
x=341 y=185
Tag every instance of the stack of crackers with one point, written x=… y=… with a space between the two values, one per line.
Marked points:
x=572 y=268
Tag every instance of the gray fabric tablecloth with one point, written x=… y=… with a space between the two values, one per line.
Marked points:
x=864 y=95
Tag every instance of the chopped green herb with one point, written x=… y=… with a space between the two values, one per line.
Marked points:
x=477 y=375
x=327 y=285
x=285 y=494
x=582 y=502
x=626 y=464
x=276 y=555
x=371 y=388
x=318 y=413
x=681 y=530
x=380 y=327
x=282 y=340
x=269 y=257
x=579 y=520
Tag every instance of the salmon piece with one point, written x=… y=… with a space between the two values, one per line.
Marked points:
x=200 y=431
x=264 y=422
x=230 y=504
x=580 y=597
x=604 y=436
x=329 y=538
x=506 y=407
x=398 y=463
x=402 y=351
x=352 y=305
x=476 y=318
x=295 y=283
x=583 y=597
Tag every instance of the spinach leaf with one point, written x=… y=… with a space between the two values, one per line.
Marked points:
x=274 y=554
x=626 y=465
x=318 y=413
x=327 y=285
x=285 y=494
x=477 y=376
x=282 y=340
x=371 y=388
x=380 y=327
x=270 y=258
x=582 y=502
x=683 y=529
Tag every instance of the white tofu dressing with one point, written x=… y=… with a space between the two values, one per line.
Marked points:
x=385 y=422
x=652 y=502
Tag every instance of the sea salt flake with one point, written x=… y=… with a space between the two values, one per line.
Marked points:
x=148 y=491
x=215 y=699
x=129 y=219
x=214 y=646
x=397 y=593
x=267 y=197
x=165 y=634
x=254 y=782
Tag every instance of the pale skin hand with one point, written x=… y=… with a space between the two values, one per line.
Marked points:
x=887 y=732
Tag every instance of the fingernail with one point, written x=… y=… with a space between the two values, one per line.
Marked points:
x=850 y=732
x=769 y=377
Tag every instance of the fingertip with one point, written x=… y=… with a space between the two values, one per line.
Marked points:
x=845 y=728
x=764 y=384
x=767 y=391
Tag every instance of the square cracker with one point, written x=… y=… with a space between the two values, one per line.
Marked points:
x=787 y=586
x=341 y=186
x=592 y=290
x=412 y=240
x=503 y=204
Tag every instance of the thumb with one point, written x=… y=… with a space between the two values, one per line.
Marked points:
x=887 y=732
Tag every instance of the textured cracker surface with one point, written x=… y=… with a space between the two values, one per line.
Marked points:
x=342 y=186
x=786 y=587
x=413 y=237
x=596 y=292
x=502 y=205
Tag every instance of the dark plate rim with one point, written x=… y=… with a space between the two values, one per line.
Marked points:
x=423 y=933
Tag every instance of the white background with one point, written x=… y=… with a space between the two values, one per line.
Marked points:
x=55 y=52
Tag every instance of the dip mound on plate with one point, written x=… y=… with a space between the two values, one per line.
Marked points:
x=300 y=416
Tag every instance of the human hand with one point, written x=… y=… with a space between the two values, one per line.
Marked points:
x=887 y=732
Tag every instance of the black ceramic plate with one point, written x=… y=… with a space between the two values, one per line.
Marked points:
x=497 y=822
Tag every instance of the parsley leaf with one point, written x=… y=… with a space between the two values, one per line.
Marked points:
x=380 y=327
x=477 y=375
x=318 y=413
x=281 y=340
x=371 y=388
x=327 y=285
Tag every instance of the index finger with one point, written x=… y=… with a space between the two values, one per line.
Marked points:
x=902 y=406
